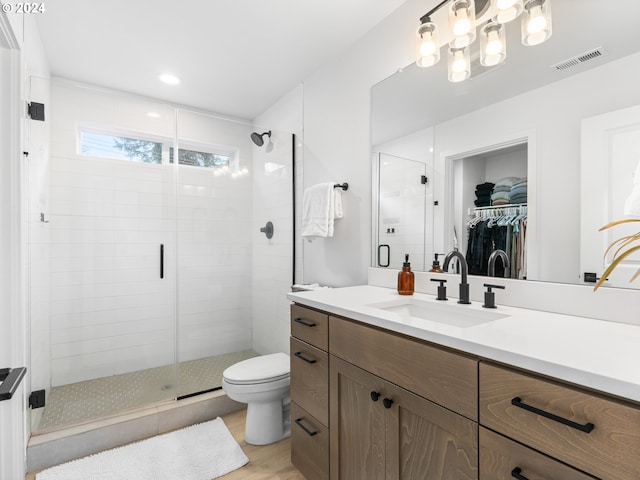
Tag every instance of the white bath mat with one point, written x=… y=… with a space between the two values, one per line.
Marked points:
x=199 y=452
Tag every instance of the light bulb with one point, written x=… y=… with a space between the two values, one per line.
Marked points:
x=458 y=64
x=462 y=26
x=494 y=45
x=428 y=45
x=537 y=22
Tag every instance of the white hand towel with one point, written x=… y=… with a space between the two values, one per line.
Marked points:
x=319 y=210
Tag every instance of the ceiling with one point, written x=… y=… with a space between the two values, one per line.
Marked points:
x=234 y=57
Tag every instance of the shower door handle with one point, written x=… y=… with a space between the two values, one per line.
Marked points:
x=161 y=260
x=380 y=247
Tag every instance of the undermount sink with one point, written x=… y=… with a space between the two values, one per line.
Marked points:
x=410 y=309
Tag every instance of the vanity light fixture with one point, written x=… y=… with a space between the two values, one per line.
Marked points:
x=462 y=23
x=535 y=26
x=536 y=22
x=508 y=10
x=459 y=64
x=493 y=47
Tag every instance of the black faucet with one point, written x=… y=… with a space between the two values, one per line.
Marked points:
x=491 y=267
x=464 y=286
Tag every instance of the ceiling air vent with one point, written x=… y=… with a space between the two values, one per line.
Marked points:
x=578 y=59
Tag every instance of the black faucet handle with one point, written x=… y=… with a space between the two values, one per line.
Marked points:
x=442 y=289
x=489 y=296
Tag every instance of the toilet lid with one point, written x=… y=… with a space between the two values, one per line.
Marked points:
x=261 y=369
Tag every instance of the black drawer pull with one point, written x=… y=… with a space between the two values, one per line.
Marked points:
x=587 y=427
x=304 y=322
x=302 y=357
x=375 y=396
x=515 y=473
x=308 y=432
x=387 y=402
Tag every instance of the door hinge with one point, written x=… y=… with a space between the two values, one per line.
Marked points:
x=37 y=399
x=36 y=111
x=423 y=179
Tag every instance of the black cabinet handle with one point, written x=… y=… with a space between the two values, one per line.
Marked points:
x=515 y=473
x=302 y=357
x=308 y=432
x=375 y=396
x=387 y=402
x=587 y=427
x=161 y=260
x=304 y=322
x=10 y=378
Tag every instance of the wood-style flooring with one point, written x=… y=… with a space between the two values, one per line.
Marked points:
x=265 y=462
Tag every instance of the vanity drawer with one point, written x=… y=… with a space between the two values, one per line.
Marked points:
x=501 y=459
x=309 y=444
x=444 y=377
x=310 y=325
x=310 y=379
x=610 y=449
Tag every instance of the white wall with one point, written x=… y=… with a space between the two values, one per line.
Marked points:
x=337 y=136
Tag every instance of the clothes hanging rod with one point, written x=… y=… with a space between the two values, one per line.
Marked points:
x=344 y=186
x=508 y=205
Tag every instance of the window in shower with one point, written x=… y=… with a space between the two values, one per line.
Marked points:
x=119 y=147
x=196 y=158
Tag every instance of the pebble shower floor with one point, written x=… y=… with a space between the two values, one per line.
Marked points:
x=78 y=402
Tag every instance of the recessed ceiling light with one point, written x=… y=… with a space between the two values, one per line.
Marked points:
x=153 y=114
x=169 y=79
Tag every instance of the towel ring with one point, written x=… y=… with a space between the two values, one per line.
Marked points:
x=344 y=186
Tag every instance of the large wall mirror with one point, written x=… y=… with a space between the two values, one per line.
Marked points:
x=522 y=121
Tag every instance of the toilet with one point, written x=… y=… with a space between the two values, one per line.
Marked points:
x=263 y=384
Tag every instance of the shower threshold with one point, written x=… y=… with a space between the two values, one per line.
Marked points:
x=81 y=402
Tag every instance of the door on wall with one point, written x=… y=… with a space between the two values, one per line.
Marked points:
x=403 y=185
x=12 y=339
x=610 y=154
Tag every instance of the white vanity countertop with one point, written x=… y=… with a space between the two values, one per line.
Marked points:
x=594 y=353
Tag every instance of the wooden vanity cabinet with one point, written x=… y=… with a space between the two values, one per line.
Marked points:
x=309 y=392
x=590 y=432
x=379 y=428
x=381 y=431
x=504 y=459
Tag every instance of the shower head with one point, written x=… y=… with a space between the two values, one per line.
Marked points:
x=257 y=137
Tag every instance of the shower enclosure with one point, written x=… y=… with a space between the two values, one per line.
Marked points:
x=148 y=267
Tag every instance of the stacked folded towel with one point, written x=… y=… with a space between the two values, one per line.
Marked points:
x=483 y=194
x=519 y=191
x=502 y=191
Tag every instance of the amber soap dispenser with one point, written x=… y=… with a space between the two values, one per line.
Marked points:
x=405 y=278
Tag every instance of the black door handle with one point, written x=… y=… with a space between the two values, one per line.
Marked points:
x=10 y=378
x=161 y=260
x=587 y=427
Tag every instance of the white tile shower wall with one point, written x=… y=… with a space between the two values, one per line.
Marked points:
x=110 y=312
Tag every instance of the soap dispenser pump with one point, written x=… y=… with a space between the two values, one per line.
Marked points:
x=435 y=267
x=405 y=278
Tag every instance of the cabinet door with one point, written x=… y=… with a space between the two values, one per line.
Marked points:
x=427 y=441
x=357 y=423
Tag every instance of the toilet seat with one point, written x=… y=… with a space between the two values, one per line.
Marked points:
x=257 y=370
